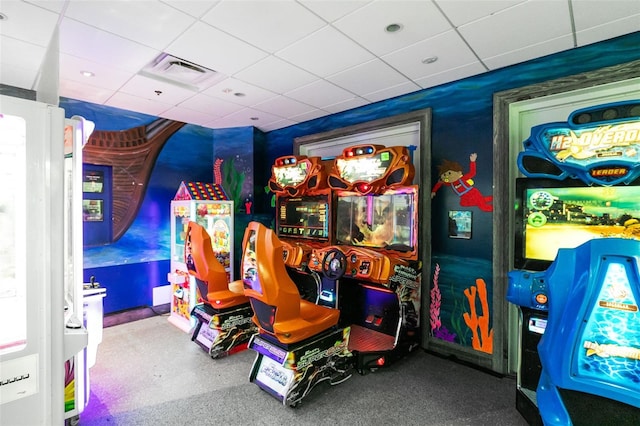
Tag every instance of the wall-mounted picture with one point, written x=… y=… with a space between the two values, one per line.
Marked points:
x=460 y=224
x=92 y=210
x=93 y=181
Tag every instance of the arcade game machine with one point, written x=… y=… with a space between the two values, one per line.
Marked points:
x=299 y=343
x=373 y=268
x=304 y=219
x=207 y=205
x=576 y=282
x=41 y=284
x=223 y=319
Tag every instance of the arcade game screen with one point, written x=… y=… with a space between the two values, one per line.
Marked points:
x=376 y=221
x=304 y=217
x=565 y=214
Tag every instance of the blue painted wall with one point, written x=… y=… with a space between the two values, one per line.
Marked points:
x=461 y=124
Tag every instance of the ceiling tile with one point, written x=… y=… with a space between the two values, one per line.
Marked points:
x=30 y=55
x=104 y=76
x=462 y=12
x=610 y=30
x=419 y=20
x=311 y=115
x=134 y=103
x=379 y=76
x=84 y=92
x=223 y=53
x=354 y=102
x=81 y=40
x=246 y=117
x=275 y=75
x=517 y=27
x=28 y=23
x=449 y=48
x=148 y=88
x=325 y=52
x=238 y=92
x=588 y=14
x=392 y=92
x=188 y=116
x=451 y=74
x=13 y=75
x=530 y=52
x=207 y=104
x=277 y=125
x=148 y=22
x=283 y=107
x=269 y=25
x=332 y=10
x=320 y=93
x=195 y=8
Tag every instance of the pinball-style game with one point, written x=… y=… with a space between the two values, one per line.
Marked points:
x=207 y=205
x=361 y=244
x=577 y=246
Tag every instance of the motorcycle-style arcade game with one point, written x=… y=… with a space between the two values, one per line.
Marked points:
x=304 y=219
x=577 y=250
x=373 y=266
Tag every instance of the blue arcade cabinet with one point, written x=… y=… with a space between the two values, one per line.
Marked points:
x=590 y=349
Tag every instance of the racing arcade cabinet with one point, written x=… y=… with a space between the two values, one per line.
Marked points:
x=374 y=265
x=304 y=219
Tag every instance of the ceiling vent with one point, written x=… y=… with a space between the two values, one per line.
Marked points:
x=173 y=70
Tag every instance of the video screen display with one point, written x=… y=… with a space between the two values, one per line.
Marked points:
x=565 y=214
x=249 y=264
x=304 y=217
x=377 y=221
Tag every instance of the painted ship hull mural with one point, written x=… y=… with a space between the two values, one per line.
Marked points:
x=131 y=154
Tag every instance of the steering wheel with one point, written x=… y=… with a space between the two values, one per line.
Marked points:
x=334 y=264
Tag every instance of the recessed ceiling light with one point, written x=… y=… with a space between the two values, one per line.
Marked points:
x=87 y=73
x=430 y=60
x=393 y=28
x=254 y=118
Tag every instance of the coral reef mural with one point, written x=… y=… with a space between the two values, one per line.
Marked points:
x=482 y=336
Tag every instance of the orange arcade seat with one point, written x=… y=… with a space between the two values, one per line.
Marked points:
x=299 y=343
x=279 y=311
x=224 y=319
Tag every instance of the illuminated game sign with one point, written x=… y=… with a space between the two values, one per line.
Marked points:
x=297 y=175
x=598 y=145
x=372 y=169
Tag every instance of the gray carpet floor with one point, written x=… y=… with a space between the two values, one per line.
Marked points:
x=148 y=372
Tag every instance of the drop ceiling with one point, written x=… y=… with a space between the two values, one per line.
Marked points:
x=275 y=63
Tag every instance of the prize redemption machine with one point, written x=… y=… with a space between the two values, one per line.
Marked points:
x=304 y=219
x=207 y=205
x=577 y=286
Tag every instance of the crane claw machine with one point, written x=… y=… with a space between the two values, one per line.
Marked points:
x=36 y=272
x=208 y=205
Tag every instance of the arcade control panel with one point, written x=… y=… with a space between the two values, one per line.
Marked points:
x=357 y=263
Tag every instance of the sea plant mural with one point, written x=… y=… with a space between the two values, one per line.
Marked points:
x=232 y=182
x=482 y=339
x=437 y=329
